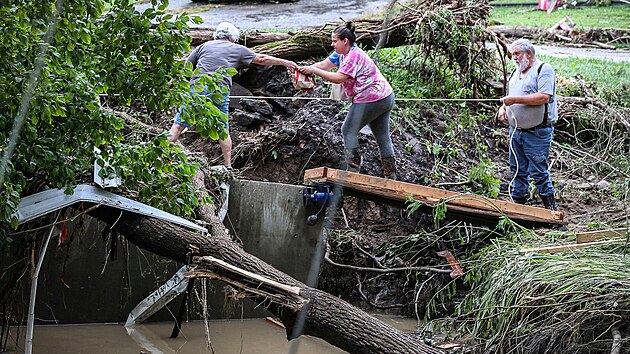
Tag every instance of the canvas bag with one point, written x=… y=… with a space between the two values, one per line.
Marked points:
x=302 y=81
x=337 y=93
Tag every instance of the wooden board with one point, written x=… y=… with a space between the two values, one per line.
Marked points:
x=460 y=202
x=590 y=236
x=569 y=247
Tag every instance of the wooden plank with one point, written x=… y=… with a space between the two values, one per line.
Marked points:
x=591 y=236
x=315 y=173
x=397 y=190
x=293 y=290
x=569 y=247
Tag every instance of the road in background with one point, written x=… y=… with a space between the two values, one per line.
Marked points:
x=595 y=53
x=290 y=16
x=618 y=55
x=316 y=13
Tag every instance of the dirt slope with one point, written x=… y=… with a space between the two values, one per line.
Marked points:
x=291 y=136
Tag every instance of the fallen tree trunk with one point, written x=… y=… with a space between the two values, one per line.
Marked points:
x=248 y=39
x=316 y=43
x=596 y=37
x=327 y=316
x=398 y=31
x=311 y=43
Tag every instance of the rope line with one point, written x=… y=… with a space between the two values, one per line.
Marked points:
x=328 y=98
x=396 y=99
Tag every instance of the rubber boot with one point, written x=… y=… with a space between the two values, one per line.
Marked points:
x=519 y=200
x=549 y=201
x=389 y=167
x=353 y=159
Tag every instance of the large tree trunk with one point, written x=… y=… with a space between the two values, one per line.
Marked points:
x=312 y=43
x=328 y=317
x=596 y=37
x=248 y=39
x=316 y=42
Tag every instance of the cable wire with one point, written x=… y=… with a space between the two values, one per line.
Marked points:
x=396 y=99
x=512 y=152
x=27 y=95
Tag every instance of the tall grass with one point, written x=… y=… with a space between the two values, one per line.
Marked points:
x=547 y=303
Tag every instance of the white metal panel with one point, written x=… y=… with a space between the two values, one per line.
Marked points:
x=39 y=204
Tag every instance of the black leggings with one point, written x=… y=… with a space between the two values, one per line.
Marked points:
x=374 y=114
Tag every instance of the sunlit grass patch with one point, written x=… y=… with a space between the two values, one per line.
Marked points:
x=608 y=79
x=584 y=17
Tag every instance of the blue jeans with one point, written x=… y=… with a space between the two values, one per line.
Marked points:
x=529 y=157
x=223 y=106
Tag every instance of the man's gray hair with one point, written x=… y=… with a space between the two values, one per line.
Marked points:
x=226 y=30
x=525 y=45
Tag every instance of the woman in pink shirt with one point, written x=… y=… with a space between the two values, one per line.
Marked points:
x=371 y=95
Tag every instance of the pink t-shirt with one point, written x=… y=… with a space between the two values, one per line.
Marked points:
x=365 y=82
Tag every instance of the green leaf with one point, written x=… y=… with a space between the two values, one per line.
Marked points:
x=86 y=38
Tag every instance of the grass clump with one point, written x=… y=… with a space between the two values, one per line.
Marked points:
x=572 y=302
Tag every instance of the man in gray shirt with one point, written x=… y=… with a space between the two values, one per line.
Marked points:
x=531 y=109
x=223 y=52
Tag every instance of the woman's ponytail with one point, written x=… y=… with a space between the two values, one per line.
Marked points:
x=346 y=31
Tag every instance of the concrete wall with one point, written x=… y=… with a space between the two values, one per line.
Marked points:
x=80 y=284
x=271 y=221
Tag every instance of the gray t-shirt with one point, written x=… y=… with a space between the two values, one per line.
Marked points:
x=528 y=116
x=216 y=54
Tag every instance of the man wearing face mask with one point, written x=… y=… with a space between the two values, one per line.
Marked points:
x=530 y=108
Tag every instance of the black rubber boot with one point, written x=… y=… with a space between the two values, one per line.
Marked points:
x=389 y=167
x=353 y=159
x=549 y=201
x=519 y=200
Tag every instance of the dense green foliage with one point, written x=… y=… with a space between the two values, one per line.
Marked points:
x=448 y=63
x=90 y=55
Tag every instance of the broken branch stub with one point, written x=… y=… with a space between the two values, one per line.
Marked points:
x=210 y=267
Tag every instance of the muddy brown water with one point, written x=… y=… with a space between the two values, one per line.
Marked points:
x=250 y=336
x=255 y=336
